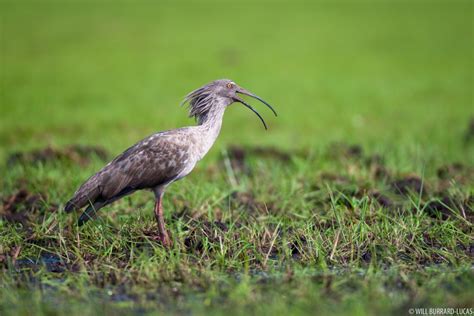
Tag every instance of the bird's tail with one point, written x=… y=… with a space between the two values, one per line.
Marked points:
x=70 y=206
x=88 y=192
x=90 y=212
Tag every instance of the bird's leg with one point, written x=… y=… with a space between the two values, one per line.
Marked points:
x=163 y=234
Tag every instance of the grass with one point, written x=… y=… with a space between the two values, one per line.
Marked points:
x=358 y=200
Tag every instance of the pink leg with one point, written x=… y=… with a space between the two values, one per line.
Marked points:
x=162 y=233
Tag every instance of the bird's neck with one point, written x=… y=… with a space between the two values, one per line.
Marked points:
x=210 y=125
x=211 y=121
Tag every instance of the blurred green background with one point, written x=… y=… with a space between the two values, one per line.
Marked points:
x=380 y=73
x=395 y=77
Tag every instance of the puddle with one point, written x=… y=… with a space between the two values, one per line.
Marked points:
x=51 y=262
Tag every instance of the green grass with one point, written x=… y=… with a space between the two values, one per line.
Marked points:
x=325 y=231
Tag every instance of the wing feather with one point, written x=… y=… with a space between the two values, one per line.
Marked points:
x=156 y=160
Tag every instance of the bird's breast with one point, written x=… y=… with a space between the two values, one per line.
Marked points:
x=205 y=142
x=188 y=167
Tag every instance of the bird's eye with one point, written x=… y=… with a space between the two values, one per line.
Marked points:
x=230 y=85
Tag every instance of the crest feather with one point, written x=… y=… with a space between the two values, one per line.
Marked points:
x=200 y=101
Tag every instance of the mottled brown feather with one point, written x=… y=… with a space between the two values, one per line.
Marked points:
x=154 y=161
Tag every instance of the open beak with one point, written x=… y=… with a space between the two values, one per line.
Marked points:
x=245 y=92
x=251 y=109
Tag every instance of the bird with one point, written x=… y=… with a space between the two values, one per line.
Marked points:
x=163 y=157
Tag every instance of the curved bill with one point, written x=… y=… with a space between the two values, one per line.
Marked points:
x=245 y=92
x=253 y=110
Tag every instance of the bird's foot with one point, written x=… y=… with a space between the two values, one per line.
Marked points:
x=164 y=239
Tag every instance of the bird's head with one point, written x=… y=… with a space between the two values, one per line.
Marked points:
x=219 y=93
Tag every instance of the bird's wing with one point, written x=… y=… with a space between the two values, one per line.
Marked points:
x=156 y=160
x=150 y=165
